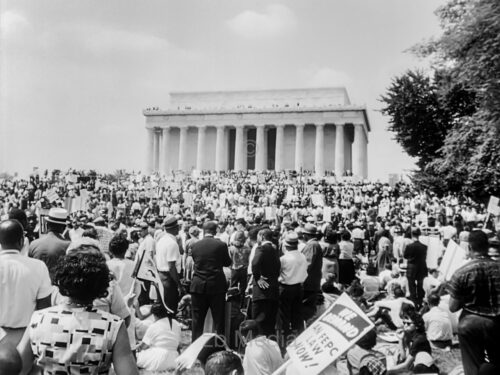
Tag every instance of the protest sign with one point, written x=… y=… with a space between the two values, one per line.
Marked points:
x=494 y=206
x=317 y=200
x=454 y=257
x=331 y=335
x=434 y=250
x=145 y=270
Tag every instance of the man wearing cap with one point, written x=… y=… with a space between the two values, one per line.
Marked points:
x=293 y=274
x=52 y=246
x=208 y=286
x=312 y=284
x=25 y=282
x=168 y=262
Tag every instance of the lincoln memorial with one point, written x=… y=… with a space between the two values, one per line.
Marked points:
x=301 y=129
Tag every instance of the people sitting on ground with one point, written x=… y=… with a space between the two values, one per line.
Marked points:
x=437 y=321
x=75 y=336
x=224 y=363
x=362 y=359
x=158 y=349
x=415 y=351
x=370 y=282
x=262 y=355
x=388 y=311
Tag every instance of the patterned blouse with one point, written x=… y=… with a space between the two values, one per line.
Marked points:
x=68 y=340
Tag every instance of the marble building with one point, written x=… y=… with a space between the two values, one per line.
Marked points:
x=308 y=129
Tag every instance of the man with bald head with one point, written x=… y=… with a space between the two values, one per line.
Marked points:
x=24 y=282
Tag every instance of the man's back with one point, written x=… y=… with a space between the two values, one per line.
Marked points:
x=314 y=258
x=210 y=255
x=266 y=263
x=22 y=281
x=416 y=253
x=49 y=249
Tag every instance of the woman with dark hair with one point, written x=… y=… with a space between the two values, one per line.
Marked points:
x=158 y=349
x=415 y=349
x=75 y=337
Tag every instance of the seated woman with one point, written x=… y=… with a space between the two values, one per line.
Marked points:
x=75 y=337
x=370 y=283
x=158 y=349
x=415 y=351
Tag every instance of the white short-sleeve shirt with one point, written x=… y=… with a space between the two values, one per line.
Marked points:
x=23 y=281
x=167 y=250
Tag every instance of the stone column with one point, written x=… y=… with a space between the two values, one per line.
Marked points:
x=358 y=151
x=182 y=148
x=339 y=151
x=319 y=163
x=279 y=152
x=299 y=147
x=240 y=149
x=150 y=145
x=164 y=159
x=157 y=150
x=260 y=149
x=201 y=154
x=219 y=149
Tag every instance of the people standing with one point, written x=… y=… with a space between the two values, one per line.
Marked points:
x=293 y=274
x=209 y=285
x=25 y=282
x=52 y=246
x=168 y=263
x=475 y=288
x=415 y=255
x=312 y=285
x=265 y=291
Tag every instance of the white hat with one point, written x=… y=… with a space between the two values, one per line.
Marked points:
x=57 y=216
x=423 y=358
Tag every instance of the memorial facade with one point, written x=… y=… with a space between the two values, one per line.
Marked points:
x=300 y=129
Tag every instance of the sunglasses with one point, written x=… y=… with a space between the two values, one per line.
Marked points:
x=407 y=322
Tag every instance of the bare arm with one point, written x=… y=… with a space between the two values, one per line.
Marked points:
x=123 y=360
x=43 y=303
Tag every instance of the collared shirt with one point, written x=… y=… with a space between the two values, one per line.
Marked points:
x=293 y=268
x=23 y=281
x=167 y=250
x=477 y=285
x=438 y=324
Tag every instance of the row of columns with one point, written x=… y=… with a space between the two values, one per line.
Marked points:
x=158 y=156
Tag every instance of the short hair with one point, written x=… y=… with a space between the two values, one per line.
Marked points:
x=223 y=363
x=433 y=299
x=416 y=232
x=11 y=233
x=19 y=215
x=159 y=310
x=118 y=245
x=398 y=292
x=267 y=234
x=345 y=236
x=82 y=275
x=478 y=241
x=90 y=233
x=210 y=227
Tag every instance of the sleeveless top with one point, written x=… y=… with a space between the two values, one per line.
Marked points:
x=71 y=341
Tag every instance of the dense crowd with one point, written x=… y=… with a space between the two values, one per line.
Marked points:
x=254 y=257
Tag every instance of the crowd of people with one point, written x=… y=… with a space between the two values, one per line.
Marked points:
x=254 y=257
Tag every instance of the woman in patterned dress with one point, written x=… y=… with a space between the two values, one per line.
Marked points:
x=75 y=337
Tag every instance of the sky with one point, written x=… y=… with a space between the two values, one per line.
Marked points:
x=75 y=75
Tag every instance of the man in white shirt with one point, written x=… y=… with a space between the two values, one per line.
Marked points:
x=168 y=262
x=24 y=282
x=293 y=274
x=438 y=323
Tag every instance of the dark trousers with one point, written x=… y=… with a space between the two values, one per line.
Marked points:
x=171 y=292
x=265 y=311
x=477 y=335
x=200 y=303
x=415 y=284
x=239 y=279
x=309 y=304
x=289 y=308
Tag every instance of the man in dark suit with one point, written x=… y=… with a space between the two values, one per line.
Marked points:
x=312 y=284
x=416 y=254
x=209 y=285
x=265 y=291
x=52 y=246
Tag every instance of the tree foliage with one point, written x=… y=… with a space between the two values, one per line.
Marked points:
x=465 y=154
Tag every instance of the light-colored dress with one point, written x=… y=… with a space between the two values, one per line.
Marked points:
x=73 y=340
x=163 y=339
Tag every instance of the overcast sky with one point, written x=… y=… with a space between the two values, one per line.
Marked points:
x=75 y=75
